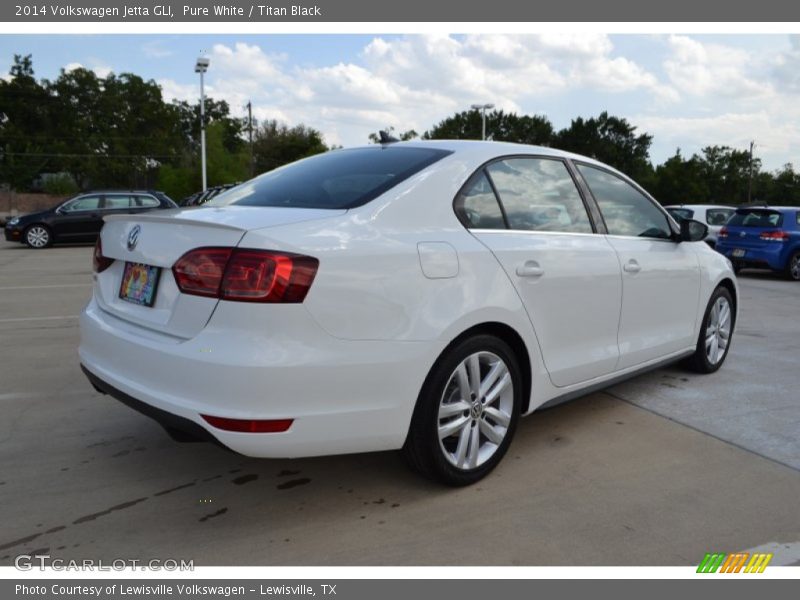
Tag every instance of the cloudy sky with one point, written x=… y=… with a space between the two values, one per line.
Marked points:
x=687 y=91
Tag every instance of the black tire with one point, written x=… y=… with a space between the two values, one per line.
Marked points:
x=424 y=451
x=699 y=361
x=37 y=236
x=792 y=271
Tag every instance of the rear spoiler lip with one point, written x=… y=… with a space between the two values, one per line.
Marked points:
x=147 y=218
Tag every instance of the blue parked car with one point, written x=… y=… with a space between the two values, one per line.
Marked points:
x=763 y=237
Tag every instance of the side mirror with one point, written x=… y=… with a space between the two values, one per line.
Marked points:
x=692 y=231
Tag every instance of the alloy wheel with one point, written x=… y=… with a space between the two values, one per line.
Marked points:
x=475 y=410
x=37 y=236
x=718 y=330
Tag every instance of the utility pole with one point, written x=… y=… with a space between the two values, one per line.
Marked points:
x=250 y=132
x=750 y=180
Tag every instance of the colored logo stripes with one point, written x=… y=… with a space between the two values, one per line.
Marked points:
x=737 y=562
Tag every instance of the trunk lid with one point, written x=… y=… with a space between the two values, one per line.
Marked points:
x=165 y=236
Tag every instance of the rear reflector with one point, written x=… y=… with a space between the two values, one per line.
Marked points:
x=99 y=262
x=249 y=425
x=245 y=275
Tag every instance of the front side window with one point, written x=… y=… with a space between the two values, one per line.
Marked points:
x=538 y=194
x=335 y=180
x=625 y=209
x=83 y=204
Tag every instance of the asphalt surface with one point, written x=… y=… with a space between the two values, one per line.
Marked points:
x=655 y=471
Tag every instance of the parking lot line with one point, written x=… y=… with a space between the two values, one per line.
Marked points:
x=22 y=319
x=44 y=287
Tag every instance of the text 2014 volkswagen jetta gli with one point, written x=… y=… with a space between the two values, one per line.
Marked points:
x=417 y=295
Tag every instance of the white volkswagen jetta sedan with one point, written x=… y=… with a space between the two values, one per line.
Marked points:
x=417 y=295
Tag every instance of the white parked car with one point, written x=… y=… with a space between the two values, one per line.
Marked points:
x=418 y=295
x=712 y=216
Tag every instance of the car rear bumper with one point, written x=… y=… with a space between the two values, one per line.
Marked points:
x=768 y=257
x=343 y=396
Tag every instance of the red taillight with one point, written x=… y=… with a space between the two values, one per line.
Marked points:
x=249 y=425
x=245 y=275
x=199 y=272
x=723 y=233
x=99 y=262
x=774 y=236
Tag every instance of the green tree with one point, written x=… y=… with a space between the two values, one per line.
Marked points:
x=680 y=181
x=611 y=140
x=375 y=138
x=500 y=126
x=276 y=144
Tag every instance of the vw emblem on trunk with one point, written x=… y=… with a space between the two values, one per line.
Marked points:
x=742 y=234
x=133 y=237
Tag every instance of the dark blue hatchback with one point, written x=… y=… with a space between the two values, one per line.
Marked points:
x=763 y=237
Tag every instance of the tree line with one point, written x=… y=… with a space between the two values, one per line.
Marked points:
x=81 y=130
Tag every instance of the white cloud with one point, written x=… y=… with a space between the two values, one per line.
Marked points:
x=99 y=69
x=711 y=70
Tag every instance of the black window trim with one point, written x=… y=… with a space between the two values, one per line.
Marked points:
x=670 y=220
x=483 y=169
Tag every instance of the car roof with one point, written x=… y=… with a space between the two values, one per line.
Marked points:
x=700 y=206
x=487 y=150
x=769 y=207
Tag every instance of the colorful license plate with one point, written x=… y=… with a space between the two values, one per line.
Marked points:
x=139 y=284
x=738 y=253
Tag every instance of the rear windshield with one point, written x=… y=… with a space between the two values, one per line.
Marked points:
x=756 y=218
x=718 y=216
x=681 y=214
x=337 y=179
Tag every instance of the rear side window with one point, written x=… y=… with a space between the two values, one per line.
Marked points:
x=756 y=218
x=681 y=214
x=625 y=209
x=146 y=202
x=335 y=180
x=117 y=202
x=538 y=194
x=718 y=216
x=477 y=205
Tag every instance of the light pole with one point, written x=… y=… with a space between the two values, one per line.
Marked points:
x=201 y=67
x=483 y=108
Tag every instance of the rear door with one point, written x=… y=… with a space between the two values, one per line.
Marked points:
x=660 y=277
x=567 y=276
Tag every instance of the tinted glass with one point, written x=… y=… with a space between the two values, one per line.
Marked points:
x=681 y=214
x=336 y=179
x=81 y=204
x=718 y=216
x=625 y=209
x=756 y=218
x=477 y=205
x=145 y=202
x=538 y=194
x=117 y=202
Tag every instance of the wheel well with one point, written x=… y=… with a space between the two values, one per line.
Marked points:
x=513 y=339
x=728 y=285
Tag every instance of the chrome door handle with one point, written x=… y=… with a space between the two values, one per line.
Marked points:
x=530 y=268
x=632 y=267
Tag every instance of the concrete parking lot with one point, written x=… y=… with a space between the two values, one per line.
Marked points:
x=655 y=471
